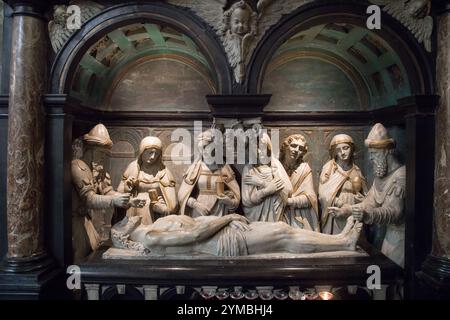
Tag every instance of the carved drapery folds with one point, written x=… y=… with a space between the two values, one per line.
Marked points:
x=412 y=14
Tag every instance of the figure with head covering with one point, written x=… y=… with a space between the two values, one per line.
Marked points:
x=385 y=201
x=341 y=182
x=149 y=180
x=208 y=188
x=265 y=185
x=93 y=198
x=302 y=208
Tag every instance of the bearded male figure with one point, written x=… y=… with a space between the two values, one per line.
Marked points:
x=384 y=203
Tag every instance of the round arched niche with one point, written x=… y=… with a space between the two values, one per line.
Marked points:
x=160 y=84
x=308 y=84
x=334 y=67
x=144 y=67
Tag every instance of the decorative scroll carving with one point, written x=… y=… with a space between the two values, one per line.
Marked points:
x=57 y=28
x=414 y=15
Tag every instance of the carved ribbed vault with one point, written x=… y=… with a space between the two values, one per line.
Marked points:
x=120 y=49
x=375 y=69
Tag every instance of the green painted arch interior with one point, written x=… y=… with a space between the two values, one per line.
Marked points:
x=118 y=50
x=382 y=74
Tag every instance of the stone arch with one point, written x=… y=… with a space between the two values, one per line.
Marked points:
x=112 y=18
x=415 y=61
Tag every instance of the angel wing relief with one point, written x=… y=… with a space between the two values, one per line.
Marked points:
x=58 y=26
x=413 y=14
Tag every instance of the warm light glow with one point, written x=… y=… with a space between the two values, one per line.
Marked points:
x=325 y=295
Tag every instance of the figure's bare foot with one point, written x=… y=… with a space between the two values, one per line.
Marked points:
x=353 y=235
x=348 y=227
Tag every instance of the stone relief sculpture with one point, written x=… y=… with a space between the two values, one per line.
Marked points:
x=239 y=27
x=208 y=189
x=57 y=27
x=149 y=180
x=413 y=14
x=341 y=182
x=384 y=203
x=93 y=198
x=302 y=208
x=229 y=236
x=265 y=187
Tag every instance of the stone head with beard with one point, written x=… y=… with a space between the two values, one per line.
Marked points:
x=381 y=150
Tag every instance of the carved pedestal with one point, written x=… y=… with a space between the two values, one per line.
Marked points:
x=263 y=278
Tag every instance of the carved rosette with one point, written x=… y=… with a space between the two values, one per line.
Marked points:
x=26 y=138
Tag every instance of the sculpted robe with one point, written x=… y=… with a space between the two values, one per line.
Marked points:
x=301 y=215
x=256 y=206
x=336 y=189
x=92 y=209
x=163 y=183
x=387 y=198
x=200 y=184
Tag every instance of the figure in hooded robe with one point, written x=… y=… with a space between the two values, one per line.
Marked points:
x=341 y=182
x=148 y=179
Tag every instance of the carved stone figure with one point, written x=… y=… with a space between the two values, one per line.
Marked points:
x=93 y=198
x=231 y=235
x=384 y=203
x=265 y=187
x=302 y=208
x=341 y=182
x=239 y=29
x=208 y=188
x=413 y=14
x=149 y=180
x=58 y=30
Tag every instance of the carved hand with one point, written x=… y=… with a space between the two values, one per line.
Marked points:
x=254 y=180
x=273 y=186
x=121 y=200
x=131 y=182
x=137 y=203
x=358 y=213
x=342 y=212
x=227 y=198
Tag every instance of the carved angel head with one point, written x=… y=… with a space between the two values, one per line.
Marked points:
x=240 y=19
x=60 y=14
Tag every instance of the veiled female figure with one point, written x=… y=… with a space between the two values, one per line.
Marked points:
x=341 y=182
x=148 y=179
x=265 y=186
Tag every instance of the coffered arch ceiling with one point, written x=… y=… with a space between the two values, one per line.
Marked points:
x=122 y=49
x=375 y=69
